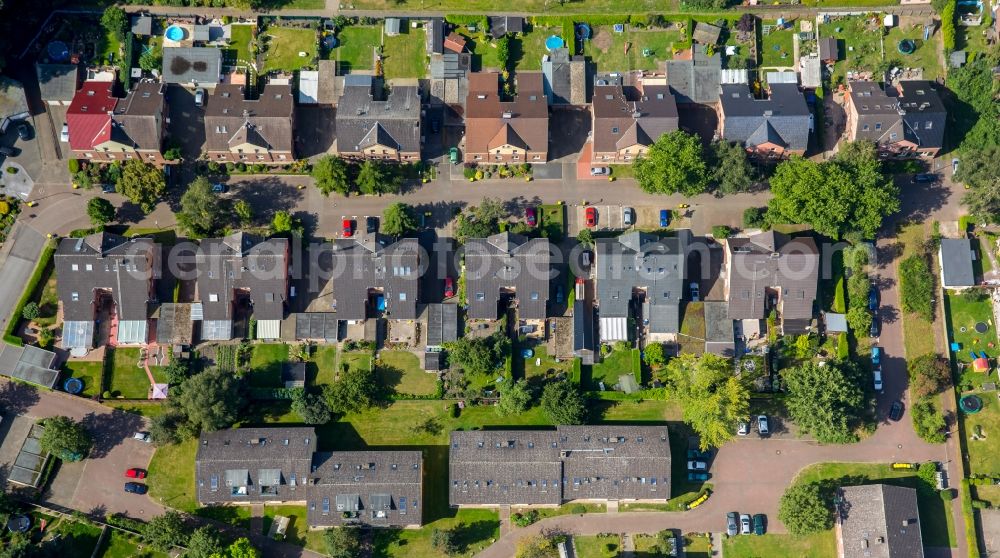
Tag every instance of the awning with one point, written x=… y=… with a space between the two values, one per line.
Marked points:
x=78 y=335
x=268 y=329
x=132 y=332
x=614 y=329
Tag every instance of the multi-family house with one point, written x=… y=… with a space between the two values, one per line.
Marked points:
x=904 y=120
x=878 y=521
x=774 y=126
x=250 y=131
x=507 y=270
x=628 y=119
x=506 y=131
x=105 y=128
x=375 y=125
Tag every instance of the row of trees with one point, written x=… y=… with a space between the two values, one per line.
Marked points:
x=334 y=174
x=678 y=164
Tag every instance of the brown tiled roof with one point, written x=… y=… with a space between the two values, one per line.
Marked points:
x=267 y=122
x=626 y=116
x=527 y=116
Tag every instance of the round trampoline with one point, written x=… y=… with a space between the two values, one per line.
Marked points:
x=175 y=33
x=906 y=46
x=583 y=31
x=554 y=42
x=971 y=404
x=73 y=386
x=329 y=42
x=981 y=327
x=19 y=523
x=58 y=51
x=527 y=353
x=963 y=329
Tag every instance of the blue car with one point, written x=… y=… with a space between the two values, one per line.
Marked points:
x=873 y=299
x=700 y=455
x=664 y=218
x=876 y=355
x=697 y=477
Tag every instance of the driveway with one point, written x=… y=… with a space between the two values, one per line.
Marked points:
x=17 y=262
x=94 y=485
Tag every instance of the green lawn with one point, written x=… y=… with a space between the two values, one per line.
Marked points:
x=124 y=378
x=119 y=545
x=634 y=410
x=692 y=335
x=597 y=546
x=918 y=333
x=48 y=303
x=148 y=409
x=608 y=370
x=320 y=369
x=404 y=55
x=297 y=525
x=865 y=40
x=76 y=539
x=526 y=52
x=355 y=48
x=237 y=516
x=171 y=476
x=817 y=545
x=401 y=371
x=565 y=509
x=266 y=362
x=240 y=38
x=553 y=218
x=357 y=359
x=475 y=529
x=697 y=546
x=925 y=56
x=985 y=242
x=526 y=367
x=284 y=47
x=108 y=47
x=936 y=520
x=87 y=371
x=965 y=314
x=607 y=48
x=984 y=454
x=484 y=53
x=776 y=48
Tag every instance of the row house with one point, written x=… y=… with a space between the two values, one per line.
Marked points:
x=105 y=128
x=506 y=131
x=371 y=125
x=250 y=130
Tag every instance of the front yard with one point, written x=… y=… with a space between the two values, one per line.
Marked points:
x=119 y=545
x=597 y=546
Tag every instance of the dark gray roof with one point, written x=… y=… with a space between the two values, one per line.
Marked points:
x=57 y=82
x=783 y=118
x=30 y=364
x=706 y=33
x=242 y=261
x=565 y=77
x=294 y=373
x=266 y=122
x=956 y=256
x=880 y=521
x=501 y=25
x=719 y=334
x=626 y=116
x=202 y=65
x=142 y=25
x=435 y=35
x=372 y=262
x=254 y=464
x=914 y=113
x=829 y=49
x=442 y=324
x=641 y=261
x=696 y=80
x=378 y=487
x=317 y=325
x=360 y=113
x=123 y=267
x=767 y=262
x=924 y=115
x=583 y=330
x=507 y=262
x=497 y=467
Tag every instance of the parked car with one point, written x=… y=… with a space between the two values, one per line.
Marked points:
x=531 y=216
x=599 y=171
x=108 y=188
x=219 y=188
x=628 y=216
x=24 y=131
x=453 y=155
x=695 y=291
x=347 y=227
x=142 y=437
x=590 y=216
x=745 y=524
x=9 y=151
x=876 y=355
x=559 y=294
x=135 y=473
x=449 y=287
x=924 y=178
x=762 y=425
x=873 y=299
x=896 y=411
x=698 y=477
x=697 y=466
x=664 y=218
x=697 y=454
x=732 y=528
x=954 y=165
x=199 y=97
x=64 y=133
x=135 y=488
x=877 y=373
x=876 y=327
x=759 y=526
x=743 y=428
x=435 y=125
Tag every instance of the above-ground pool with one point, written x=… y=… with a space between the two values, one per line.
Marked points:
x=175 y=33
x=329 y=42
x=554 y=42
x=58 y=51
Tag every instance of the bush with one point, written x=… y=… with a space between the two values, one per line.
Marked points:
x=839 y=302
x=948 y=26
x=73 y=165
x=980 y=504
x=524 y=519
x=721 y=231
x=753 y=217
x=454 y=410
x=578 y=508
x=916 y=285
x=843 y=348
x=963 y=224
x=927 y=421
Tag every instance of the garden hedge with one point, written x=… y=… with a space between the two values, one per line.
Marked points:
x=28 y=294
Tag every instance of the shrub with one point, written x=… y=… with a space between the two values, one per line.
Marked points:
x=843 y=348
x=980 y=504
x=963 y=224
x=839 y=304
x=753 y=217
x=524 y=519
x=916 y=285
x=73 y=165
x=948 y=26
x=721 y=231
x=578 y=508
x=927 y=421
x=454 y=410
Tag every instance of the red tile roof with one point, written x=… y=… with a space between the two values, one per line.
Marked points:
x=89 y=116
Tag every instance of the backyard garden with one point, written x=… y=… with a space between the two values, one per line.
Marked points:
x=860 y=39
x=124 y=375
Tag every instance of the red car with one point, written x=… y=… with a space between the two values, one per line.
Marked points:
x=348 y=228
x=530 y=216
x=591 y=216
x=449 y=287
x=136 y=473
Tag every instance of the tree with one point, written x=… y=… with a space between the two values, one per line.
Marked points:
x=209 y=400
x=151 y=59
x=563 y=403
x=929 y=374
x=165 y=531
x=484 y=220
x=804 y=510
x=330 y=174
x=445 y=541
x=244 y=212
x=655 y=355
x=242 y=548
x=201 y=211
x=167 y=428
x=342 y=542
x=916 y=286
x=177 y=371
x=859 y=320
x=356 y=389
x=731 y=170
x=928 y=420
x=714 y=399
x=673 y=165
x=398 y=220
x=30 y=311
x=282 y=222
x=115 y=21
x=65 y=438
x=849 y=192
x=979 y=168
x=375 y=178
x=204 y=543
x=142 y=184
x=585 y=237
x=478 y=355
x=826 y=401
x=311 y=407
x=100 y=211
x=514 y=399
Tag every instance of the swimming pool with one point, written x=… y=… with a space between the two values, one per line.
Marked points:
x=175 y=33
x=554 y=42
